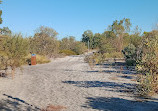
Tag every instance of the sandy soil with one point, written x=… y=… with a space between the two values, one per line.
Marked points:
x=70 y=82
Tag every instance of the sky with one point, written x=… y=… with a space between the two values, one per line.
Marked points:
x=73 y=17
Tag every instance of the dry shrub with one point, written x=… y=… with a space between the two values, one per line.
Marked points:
x=41 y=59
x=54 y=108
x=90 y=60
x=147 y=86
x=113 y=55
x=68 y=52
x=148 y=81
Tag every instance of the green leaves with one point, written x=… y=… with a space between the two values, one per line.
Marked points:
x=0 y=17
x=44 y=41
x=14 y=49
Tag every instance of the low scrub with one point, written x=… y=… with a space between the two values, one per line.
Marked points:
x=147 y=87
x=68 y=52
x=96 y=58
x=113 y=55
x=99 y=58
x=148 y=66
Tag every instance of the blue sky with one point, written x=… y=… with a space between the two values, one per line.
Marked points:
x=73 y=17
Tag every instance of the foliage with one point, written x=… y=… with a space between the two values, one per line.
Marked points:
x=130 y=55
x=0 y=17
x=0 y=14
x=71 y=44
x=13 y=51
x=87 y=37
x=146 y=86
x=44 y=42
x=68 y=52
x=106 y=45
x=113 y=55
x=119 y=28
x=148 y=66
x=149 y=61
x=79 y=48
x=5 y=31
x=67 y=43
x=95 y=58
x=135 y=40
x=96 y=40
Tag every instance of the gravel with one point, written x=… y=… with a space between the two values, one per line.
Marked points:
x=69 y=82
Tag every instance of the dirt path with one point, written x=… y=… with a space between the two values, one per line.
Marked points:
x=70 y=82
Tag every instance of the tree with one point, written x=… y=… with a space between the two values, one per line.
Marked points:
x=119 y=28
x=109 y=34
x=148 y=65
x=96 y=40
x=67 y=43
x=5 y=31
x=0 y=14
x=106 y=45
x=70 y=44
x=87 y=36
x=79 y=48
x=44 y=42
x=13 y=50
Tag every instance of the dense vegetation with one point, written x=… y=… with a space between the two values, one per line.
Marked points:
x=139 y=50
x=113 y=41
x=118 y=41
x=16 y=50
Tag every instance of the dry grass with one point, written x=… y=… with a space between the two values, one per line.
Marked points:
x=54 y=108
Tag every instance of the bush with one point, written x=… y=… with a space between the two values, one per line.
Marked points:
x=68 y=52
x=113 y=55
x=95 y=58
x=148 y=66
x=146 y=87
x=13 y=50
x=79 y=48
x=130 y=55
x=44 y=42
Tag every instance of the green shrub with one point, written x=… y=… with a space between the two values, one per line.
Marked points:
x=146 y=87
x=148 y=66
x=130 y=55
x=79 y=48
x=68 y=52
x=13 y=50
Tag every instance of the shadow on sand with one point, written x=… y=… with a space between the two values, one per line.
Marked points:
x=118 y=104
x=126 y=72
x=117 y=87
x=16 y=104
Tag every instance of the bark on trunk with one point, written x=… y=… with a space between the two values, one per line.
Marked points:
x=13 y=72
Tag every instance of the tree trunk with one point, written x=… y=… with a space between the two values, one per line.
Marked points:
x=13 y=72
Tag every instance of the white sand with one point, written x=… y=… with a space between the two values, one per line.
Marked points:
x=70 y=82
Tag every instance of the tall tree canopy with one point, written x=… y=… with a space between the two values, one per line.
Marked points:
x=0 y=14
x=87 y=36
x=44 y=41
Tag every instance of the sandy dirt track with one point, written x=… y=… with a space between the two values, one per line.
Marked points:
x=70 y=82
